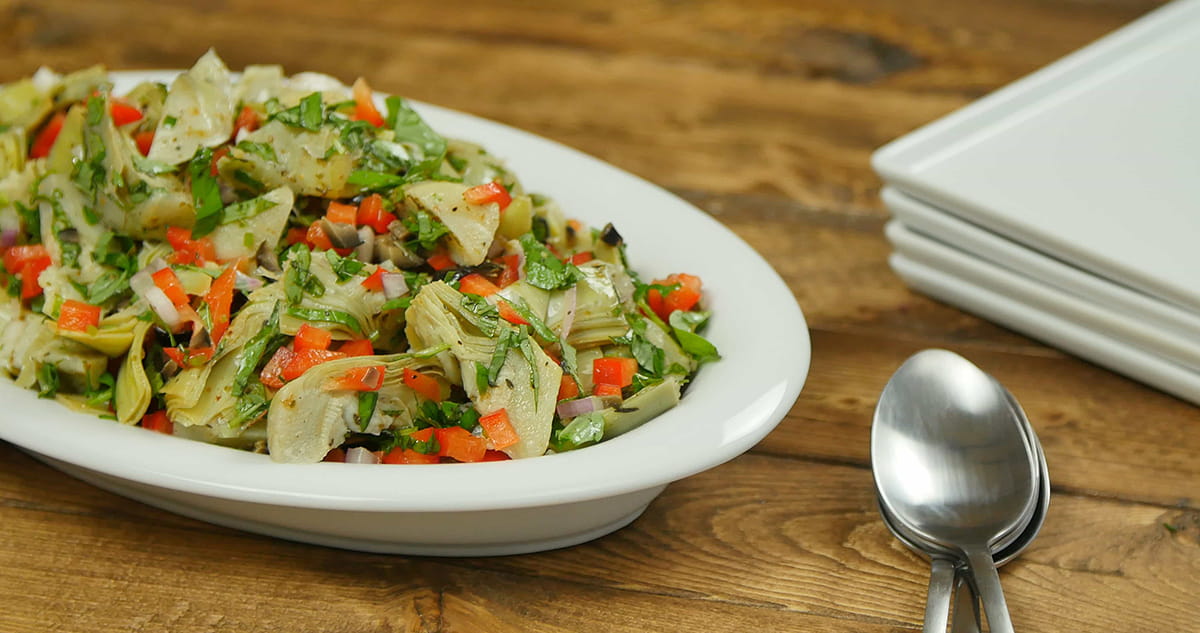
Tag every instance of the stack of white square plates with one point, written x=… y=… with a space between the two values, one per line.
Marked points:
x=1067 y=205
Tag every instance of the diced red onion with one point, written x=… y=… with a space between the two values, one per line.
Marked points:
x=246 y=283
x=571 y=408
x=367 y=248
x=8 y=237
x=360 y=455
x=393 y=285
x=569 y=306
x=163 y=307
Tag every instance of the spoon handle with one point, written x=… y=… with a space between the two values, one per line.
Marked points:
x=937 y=602
x=983 y=568
x=965 y=617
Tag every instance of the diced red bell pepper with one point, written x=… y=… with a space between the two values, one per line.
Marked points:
x=144 y=140
x=46 y=137
x=272 y=373
x=357 y=347
x=567 y=388
x=247 y=119
x=168 y=282
x=440 y=261
x=499 y=429
x=581 y=258
x=295 y=235
x=15 y=257
x=316 y=237
x=158 y=421
x=30 y=272
x=684 y=297
x=602 y=390
x=77 y=316
x=477 y=284
x=187 y=250
x=335 y=455
x=495 y=456
x=189 y=357
x=364 y=105
x=614 y=370
x=311 y=337
x=459 y=444
x=488 y=192
x=427 y=386
x=122 y=112
x=305 y=360
x=220 y=299
x=372 y=213
x=512 y=272
x=409 y=456
x=341 y=213
x=361 y=378
x=374 y=281
x=509 y=313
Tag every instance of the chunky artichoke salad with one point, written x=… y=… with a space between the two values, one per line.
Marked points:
x=272 y=263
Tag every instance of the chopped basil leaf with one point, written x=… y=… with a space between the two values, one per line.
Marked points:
x=427 y=229
x=259 y=149
x=47 y=380
x=325 y=315
x=264 y=342
x=374 y=180
x=499 y=353
x=543 y=269
x=366 y=408
x=344 y=267
x=684 y=326
x=251 y=405
x=411 y=129
x=481 y=314
x=206 y=194
x=539 y=327
x=481 y=378
x=169 y=121
x=95 y=110
x=245 y=209
x=100 y=395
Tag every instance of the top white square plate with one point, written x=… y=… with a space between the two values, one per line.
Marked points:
x=1094 y=160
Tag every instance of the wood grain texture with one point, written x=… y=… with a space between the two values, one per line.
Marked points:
x=764 y=114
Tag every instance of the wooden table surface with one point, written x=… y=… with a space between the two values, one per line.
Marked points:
x=763 y=113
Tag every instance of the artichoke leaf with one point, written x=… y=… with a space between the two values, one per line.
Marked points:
x=132 y=392
x=530 y=408
x=198 y=112
x=185 y=389
x=600 y=298
x=12 y=151
x=24 y=105
x=642 y=406
x=472 y=226
x=308 y=418
x=230 y=239
x=116 y=333
x=258 y=83
x=78 y=365
x=477 y=167
x=307 y=162
x=344 y=307
x=61 y=209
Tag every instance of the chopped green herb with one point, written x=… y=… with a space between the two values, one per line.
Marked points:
x=264 y=342
x=206 y=194
x=261 y=150
x=543 y=269
x=169 y=121
x=366 y=408
x=47 y=380
x=344 y=267
x=325 y=315
x=481 y=314
x=245 y=209
x=684 y=326
x=426 y=228
x=375 y=180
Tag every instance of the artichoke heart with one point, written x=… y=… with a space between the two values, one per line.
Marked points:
x=198 y=112
x=310 y=415
x=132 y=392
x=307 y=162
x=527 y=382
x=472 y=226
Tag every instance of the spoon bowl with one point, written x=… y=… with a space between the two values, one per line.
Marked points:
x=954 y=465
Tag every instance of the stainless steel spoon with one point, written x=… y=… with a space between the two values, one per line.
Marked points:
x=954 y=466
